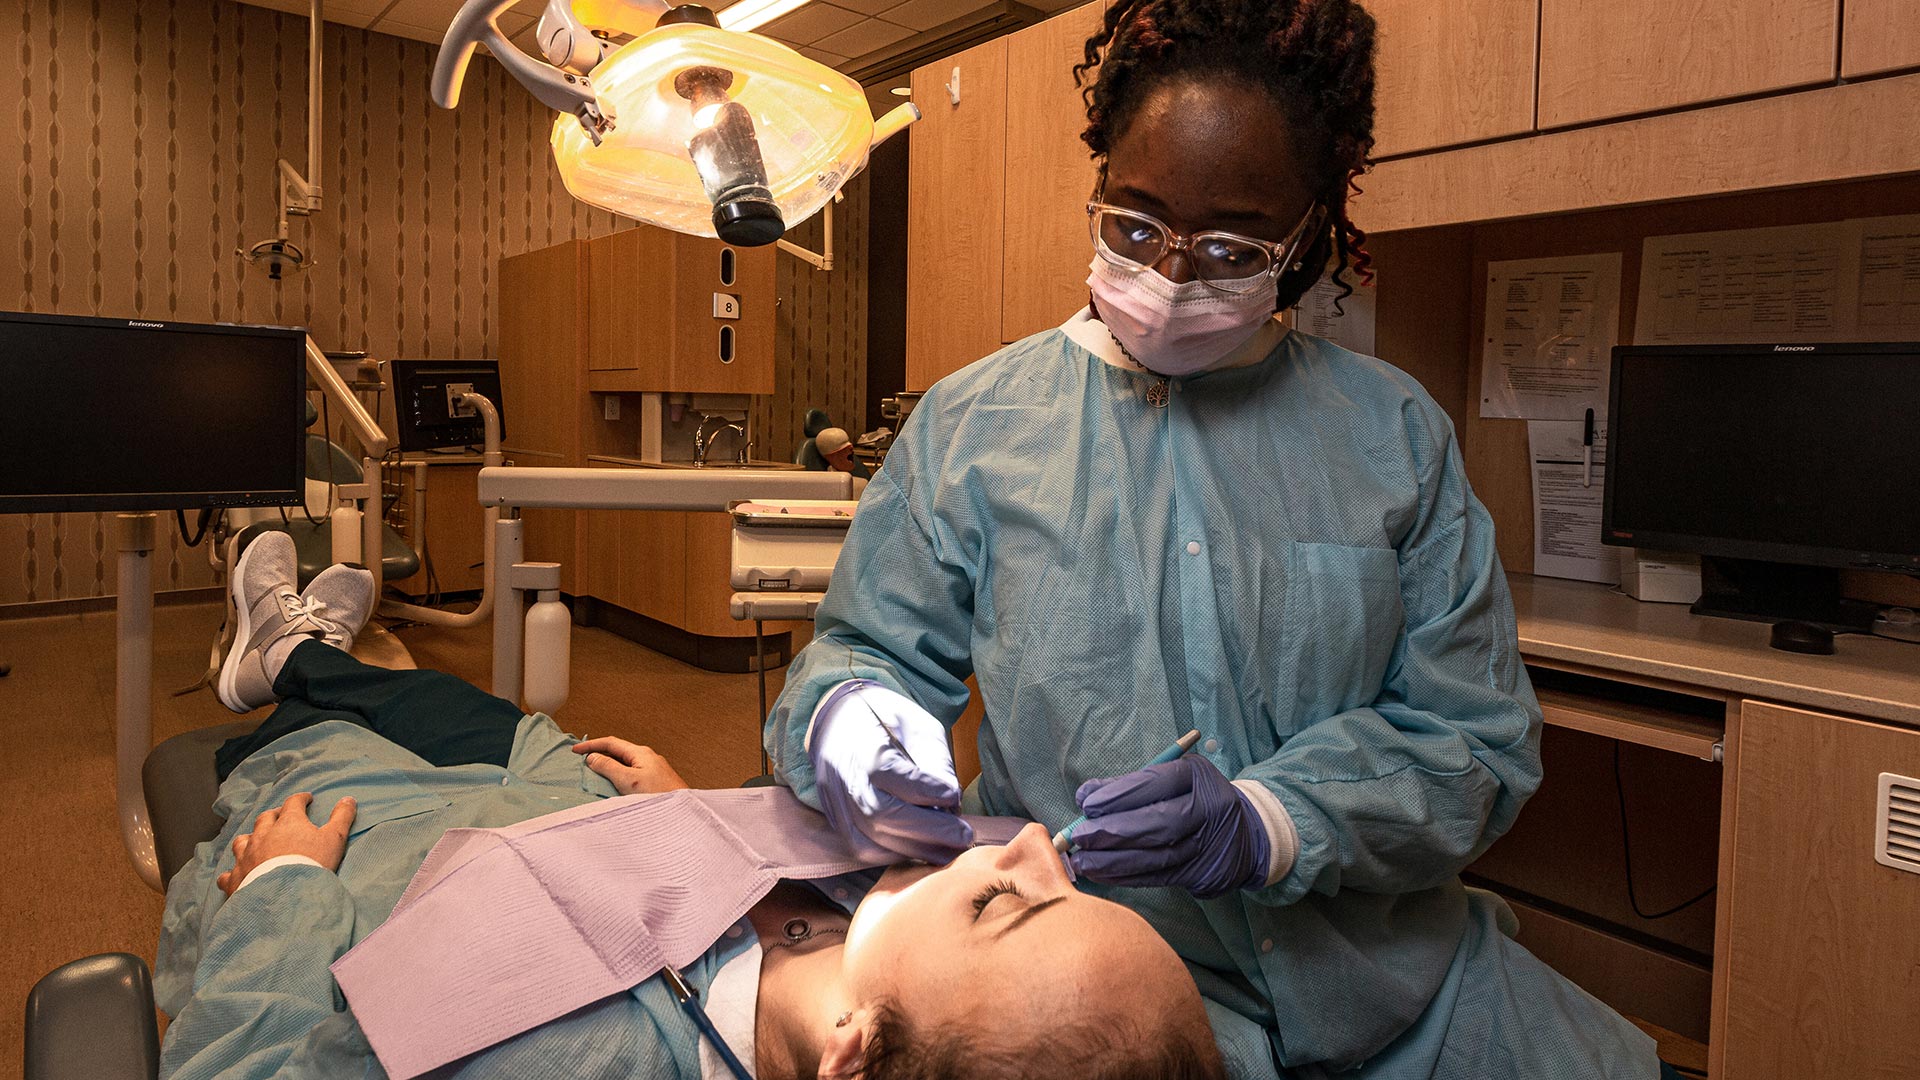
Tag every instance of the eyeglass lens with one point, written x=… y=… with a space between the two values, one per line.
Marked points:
x=1144 y=241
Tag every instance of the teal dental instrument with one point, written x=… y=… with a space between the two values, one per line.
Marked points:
x=1063 y=839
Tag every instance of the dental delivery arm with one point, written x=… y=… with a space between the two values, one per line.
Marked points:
x=262 y=984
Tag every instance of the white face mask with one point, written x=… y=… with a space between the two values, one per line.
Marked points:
x=1177 y=330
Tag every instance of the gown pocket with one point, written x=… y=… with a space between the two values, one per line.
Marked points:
x=1343 y=622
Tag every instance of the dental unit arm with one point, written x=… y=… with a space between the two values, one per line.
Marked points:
x=690 y=126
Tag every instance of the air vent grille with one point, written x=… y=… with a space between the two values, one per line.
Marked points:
x=1897 y=838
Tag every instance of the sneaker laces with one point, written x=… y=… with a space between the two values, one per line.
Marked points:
x=311 y=608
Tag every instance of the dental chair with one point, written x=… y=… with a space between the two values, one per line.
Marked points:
x=94 y=1019
x=312 y=531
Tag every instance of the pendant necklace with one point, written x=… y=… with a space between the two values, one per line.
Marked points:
x=799 y=932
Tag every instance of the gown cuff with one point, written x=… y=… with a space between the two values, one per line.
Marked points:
x=827 y=701
x=273 y=864
x=1283 y=841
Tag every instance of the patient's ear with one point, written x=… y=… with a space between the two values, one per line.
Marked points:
x=844 y=1054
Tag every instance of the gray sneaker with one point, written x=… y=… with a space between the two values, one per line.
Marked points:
x=267 y=608
x=342 y=597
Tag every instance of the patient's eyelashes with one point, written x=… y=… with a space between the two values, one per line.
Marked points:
x=986 y=896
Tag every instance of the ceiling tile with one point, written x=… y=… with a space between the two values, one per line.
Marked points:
x=927 y=14
x=832 y=60
x=863 y=37
x=810 y=23
x=867 y=7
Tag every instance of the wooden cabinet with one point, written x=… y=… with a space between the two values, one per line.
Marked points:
x=1879 y=35
x=956 y=184
x=544 y=399
x=1049 y=175
x=1452 y=72
x=456 y=528
x=1821 y=946
x=651 y=320
x=1601 y=60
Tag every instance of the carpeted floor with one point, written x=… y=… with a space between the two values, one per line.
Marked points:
x=69 y=890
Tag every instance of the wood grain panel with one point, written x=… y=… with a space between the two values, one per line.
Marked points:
x=955 y=214
x=1049 y=175
x=1451 y=73
x=1605 y=60
x=651 y=571
x=1879 y=35
x=1821 y=949
x=456 y=529
x=1839 y=133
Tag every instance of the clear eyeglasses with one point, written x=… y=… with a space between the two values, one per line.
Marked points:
x=1226 y=261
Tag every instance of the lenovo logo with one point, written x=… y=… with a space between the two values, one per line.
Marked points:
x=148 y=325
x=1793 y=348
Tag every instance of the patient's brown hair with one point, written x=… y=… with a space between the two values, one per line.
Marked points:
x=900 y=1051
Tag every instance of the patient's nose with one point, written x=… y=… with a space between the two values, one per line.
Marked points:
x=1032 y=852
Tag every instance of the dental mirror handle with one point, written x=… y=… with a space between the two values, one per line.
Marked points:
x=1063 y=839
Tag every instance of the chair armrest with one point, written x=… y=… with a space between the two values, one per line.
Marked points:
x=93 y=1019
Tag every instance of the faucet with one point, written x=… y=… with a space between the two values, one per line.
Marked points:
x=703 y=442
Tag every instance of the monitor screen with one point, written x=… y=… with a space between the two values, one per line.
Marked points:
x=426 y=411
x=1783 y=453
x=120 y=414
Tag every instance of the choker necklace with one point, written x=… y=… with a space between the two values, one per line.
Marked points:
x=1157 y=394
x=799 y=932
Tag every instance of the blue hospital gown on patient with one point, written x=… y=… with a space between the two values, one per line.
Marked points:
x=246 y=979
x=1286 y=556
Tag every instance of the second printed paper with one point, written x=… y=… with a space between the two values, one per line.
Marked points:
x=1550 y=330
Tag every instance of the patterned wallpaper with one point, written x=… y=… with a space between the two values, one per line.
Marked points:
x=142 y=157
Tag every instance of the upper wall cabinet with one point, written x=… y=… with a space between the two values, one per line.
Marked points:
x=678 y=313
x=1601 y=60
x=955 y=212
x=1452 y=71
x=1880 y=35
x=1050 y=175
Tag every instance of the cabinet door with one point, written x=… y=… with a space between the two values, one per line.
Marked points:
x=1452 y=72
x=1821 y=946
x=650 y=567
x=955 y=213
x=627 y=273
x=1050 y=175
x=1879 y=35
x=1599 y=60
x=714 y=355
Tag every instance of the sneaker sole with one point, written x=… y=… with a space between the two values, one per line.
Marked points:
x=227 y=689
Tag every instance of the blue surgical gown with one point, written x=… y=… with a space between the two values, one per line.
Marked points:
x=246 y=978
x=1286 y=556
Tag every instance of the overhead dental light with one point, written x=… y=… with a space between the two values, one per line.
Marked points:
x=690 y=126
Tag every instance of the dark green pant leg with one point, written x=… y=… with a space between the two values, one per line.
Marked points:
x=443 y=719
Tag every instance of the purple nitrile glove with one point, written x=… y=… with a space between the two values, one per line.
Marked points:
x=886 y=776
x=1181 y=823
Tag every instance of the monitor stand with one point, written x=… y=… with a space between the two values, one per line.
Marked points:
x=1779 y=592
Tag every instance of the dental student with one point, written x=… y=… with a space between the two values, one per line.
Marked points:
x=1172 y=512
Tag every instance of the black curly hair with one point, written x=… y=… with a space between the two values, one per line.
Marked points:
x=1314 y=58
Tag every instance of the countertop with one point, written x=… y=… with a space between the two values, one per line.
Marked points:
x=1597 y=626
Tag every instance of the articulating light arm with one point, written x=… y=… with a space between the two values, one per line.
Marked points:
x=559 y=90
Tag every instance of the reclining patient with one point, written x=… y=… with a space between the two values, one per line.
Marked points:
x=991 y=966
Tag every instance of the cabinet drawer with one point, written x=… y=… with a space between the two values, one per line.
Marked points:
x=1452 y=72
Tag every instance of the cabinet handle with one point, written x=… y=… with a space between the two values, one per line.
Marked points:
x=726 y=344
x=726 y=266
x=953 y=87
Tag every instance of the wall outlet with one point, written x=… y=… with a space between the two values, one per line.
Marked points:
x=610 y=407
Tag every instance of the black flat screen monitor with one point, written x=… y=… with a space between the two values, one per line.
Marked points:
x=1805 y=455
x=424 y=408
x=127 y=414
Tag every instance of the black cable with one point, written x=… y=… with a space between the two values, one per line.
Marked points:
x=1626 y=847
x=180 y=519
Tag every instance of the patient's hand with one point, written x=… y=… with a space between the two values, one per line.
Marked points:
x=634 y=770
x=286 y=830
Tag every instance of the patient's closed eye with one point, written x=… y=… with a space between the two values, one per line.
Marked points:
x=987 y=895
